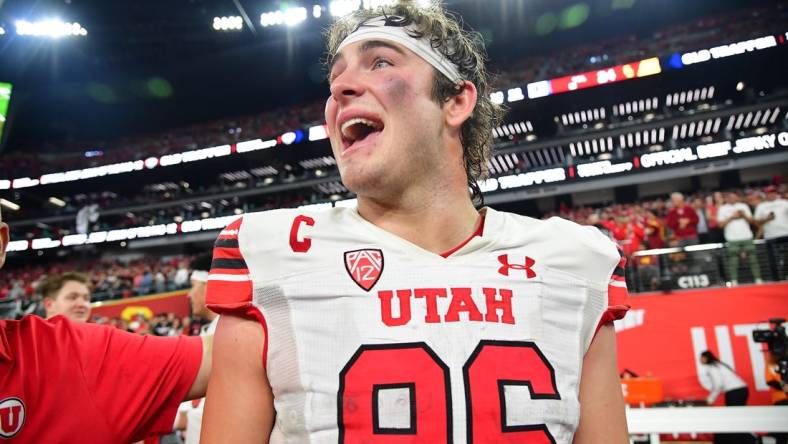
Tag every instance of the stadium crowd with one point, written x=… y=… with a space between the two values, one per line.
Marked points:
x=655 y=223
x=699 y=34
x=110 y=279
x=647 y=224
x=162 y=324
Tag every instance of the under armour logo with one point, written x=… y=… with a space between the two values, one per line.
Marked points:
x=506 y=266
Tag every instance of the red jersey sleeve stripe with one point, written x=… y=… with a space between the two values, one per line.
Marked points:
x=226 y=253
x=228 y=264
x=229 y=283
x=226 y=243
x=227 y=271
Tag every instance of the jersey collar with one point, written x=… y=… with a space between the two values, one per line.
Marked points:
x=486 y=239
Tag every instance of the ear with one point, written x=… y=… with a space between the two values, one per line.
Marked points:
x=459 y=108
x=48 y=302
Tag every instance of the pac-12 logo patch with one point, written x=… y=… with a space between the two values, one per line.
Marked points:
x=364 y=267
x=12 y=417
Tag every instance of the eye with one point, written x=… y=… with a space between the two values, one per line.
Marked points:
x=380 y=63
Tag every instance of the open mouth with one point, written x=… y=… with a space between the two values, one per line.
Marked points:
x=359 y=129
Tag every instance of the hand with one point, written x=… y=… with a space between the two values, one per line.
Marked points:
x=683 y=222
x=771 y=216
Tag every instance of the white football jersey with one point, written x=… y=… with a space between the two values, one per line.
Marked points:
x=370 y=338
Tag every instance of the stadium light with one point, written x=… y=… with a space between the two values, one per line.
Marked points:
x=341 y=8
x=57 y=202
x=53 y=28
x=10 y=205
x=2 y=30
x=294 y=16
x=231 y=23
x=271 y=18
x=287 y=17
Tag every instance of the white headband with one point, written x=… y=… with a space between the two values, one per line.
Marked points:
x=376 y=29
x=200 y=275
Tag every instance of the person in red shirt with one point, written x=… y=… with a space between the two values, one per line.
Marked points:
x=683 y=220
x=654 y=231
x=68 y=382
x=628 y=233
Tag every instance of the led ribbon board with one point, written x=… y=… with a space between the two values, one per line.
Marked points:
x=618 y=73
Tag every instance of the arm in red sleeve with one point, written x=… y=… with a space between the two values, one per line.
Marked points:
x=693 y=217
x=136 y=381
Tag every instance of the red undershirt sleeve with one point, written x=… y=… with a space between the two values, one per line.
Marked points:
x=617 y=294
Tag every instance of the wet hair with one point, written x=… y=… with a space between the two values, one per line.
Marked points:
x=465 y=49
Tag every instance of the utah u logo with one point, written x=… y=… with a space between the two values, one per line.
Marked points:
x=364 y=267
x=506 y=266
x=12 y=417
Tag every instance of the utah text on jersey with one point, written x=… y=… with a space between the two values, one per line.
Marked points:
x=373 y=339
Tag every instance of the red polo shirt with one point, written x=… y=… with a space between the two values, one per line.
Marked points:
x=65 y=382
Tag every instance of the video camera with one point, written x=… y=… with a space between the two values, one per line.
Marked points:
x=777 y=343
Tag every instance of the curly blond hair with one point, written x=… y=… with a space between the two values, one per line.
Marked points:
x=463 y=48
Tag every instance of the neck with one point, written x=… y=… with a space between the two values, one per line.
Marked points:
x=436 y=219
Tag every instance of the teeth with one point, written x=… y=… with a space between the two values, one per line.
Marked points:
x=350 y=134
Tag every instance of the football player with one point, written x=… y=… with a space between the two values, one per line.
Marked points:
x=413 y=317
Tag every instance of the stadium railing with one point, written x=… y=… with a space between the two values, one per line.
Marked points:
x=666 y=420
x=704 y=265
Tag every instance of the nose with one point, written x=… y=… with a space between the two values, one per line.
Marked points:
x=346 y=86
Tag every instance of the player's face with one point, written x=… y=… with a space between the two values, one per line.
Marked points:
x=197 y=298
x=384 y=126
x=72 y=301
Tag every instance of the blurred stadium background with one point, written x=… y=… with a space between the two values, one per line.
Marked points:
x=132 y=131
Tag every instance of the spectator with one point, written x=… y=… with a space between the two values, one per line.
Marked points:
x=67 y=294
x=181 y=278
x=703 y=220
x=683 y=221
x=654 y=231
x=177 y=327
x=714 y=202
x=772 y=217
x=594 y=221
x=735 y=219
x=160 y=282
x=628 y=233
